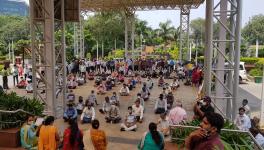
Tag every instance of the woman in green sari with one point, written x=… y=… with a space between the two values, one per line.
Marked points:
x=28 y=136
x=152 y=140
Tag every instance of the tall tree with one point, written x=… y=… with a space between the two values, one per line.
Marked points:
x=254 y=30
x=166 y=31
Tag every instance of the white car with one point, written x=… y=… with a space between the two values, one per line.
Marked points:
x=242 y=71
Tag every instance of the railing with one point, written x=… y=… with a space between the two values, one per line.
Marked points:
x=184 y=127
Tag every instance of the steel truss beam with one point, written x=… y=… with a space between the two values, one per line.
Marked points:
x=129 y=32
x=225 y=48
x=48 y=54
x=79 y=39
x=184 y=32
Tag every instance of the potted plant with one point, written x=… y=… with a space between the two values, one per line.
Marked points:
x=257 y=74
x=14 y=112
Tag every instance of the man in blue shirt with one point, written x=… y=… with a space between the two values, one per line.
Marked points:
x=70 y=113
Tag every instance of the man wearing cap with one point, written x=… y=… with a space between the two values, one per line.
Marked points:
x=202 y=107
x=242 y=121
x=70 y=112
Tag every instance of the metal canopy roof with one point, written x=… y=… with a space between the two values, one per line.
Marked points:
x=116 y=5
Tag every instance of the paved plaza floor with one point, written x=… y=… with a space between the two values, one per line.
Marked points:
x=118 y=140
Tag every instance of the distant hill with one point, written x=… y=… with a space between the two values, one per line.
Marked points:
x=13 y=7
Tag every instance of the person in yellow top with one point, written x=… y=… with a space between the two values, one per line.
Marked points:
x=48 y=135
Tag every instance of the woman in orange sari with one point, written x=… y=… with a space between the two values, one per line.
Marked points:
x=95 y=139
x=48 y=135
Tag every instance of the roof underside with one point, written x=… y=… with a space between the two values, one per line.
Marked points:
x=137 y=5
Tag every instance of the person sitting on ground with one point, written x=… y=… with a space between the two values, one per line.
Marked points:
x=115 y=99
x=150 y=83
x=142 y=102
x=88 y=114
x=207 y=137
x=175 y=84
x=113 y=115
x=106 y=106
x=71 y=96
x=173 y=75
x=22 y=84
x=258 y=136
x=145 y=92
x=108 y=85
x=97 y=81
x=80 y=105
x=164 y=126
x=124 y=91
x=130 y=122
x=92 y=99
x=242 y=121
x=161 y=105
x=28 y=132
x=170 y=100
x=29 y=87
x=161 y=81
x=164 y=92
x=152 y=140
x=138 y=79
x=201 y=107
x=80 y=80
x=91 y=76
x=101 y=89
x=72 y=84
x=246 y=107
x=177 y=115
x=121 y=78
x=70 y=112
x=138 y=111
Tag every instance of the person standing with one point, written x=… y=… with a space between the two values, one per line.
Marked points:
x=95 y=139
x=152 y=140
x=5 y=78
x=15 y=75
x=73 y=137
x=48 y=135
x=242 y=121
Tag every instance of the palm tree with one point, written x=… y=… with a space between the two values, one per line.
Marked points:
x=166 y=31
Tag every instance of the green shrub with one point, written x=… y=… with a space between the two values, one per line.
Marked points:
x=13 y=102
x=249 y=60
x=255 y=72
x=260 y=63
x=1 y=67
x=231 y=140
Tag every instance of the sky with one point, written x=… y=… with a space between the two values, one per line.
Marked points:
x=249 y=9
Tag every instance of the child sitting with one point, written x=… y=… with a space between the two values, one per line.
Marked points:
x=22 y=84
x=101 y=89
x=175 y=84
x=124 y=91
x=29 y=87
x=90 y=76
x=161 y=81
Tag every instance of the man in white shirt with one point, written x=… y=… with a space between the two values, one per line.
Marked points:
x=138 y=110
x=258 y=136
x=88 y=114
x=242 y=121
x=124 y=91
x=161 y=105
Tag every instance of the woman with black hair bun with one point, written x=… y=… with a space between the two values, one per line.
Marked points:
x=152 y=140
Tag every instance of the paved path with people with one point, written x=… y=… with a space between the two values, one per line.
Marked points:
x=118 y=140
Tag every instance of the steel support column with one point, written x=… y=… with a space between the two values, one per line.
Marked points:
x=184 y=32
x=229 y=36
x=79 y=39
x=48 y=54
x=129 y=32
